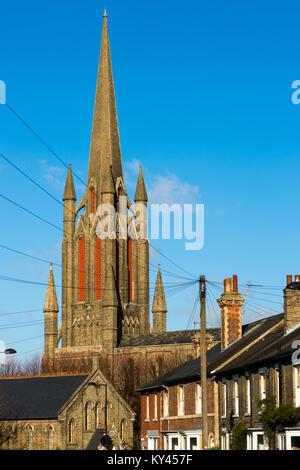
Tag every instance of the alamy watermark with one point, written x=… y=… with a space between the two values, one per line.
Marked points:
x=188 y=222
x=2 y=92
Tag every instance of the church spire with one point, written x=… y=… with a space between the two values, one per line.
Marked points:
x=159 y=306
x=105 y=141
x=51 y=304
x=140 y=193
x=69 y=192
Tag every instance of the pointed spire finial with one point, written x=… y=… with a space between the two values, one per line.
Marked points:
x=140 y=193
x=69 y=192
x=159 y=299
x=51 y=304
x=105 y=14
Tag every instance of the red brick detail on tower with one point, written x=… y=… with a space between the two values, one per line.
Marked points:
x=130 y=269
x=98 y=268
x=81 y=270
x=93 y=200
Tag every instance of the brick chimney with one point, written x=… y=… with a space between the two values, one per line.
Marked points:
x=230 y=303
x=291 y=305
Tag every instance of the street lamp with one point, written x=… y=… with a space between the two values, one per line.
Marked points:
x=9 y=351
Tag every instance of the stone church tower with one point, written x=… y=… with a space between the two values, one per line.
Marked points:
x=105 y=281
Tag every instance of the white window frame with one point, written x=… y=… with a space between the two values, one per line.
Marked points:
x=181 y=401
x=198 y=399
x=235 y=396
x=166 y=403
x=262 y=386
x=155 y=407
x=224 y=398
x=248 y=395
x=277 y=383
x=152 y=443
x=297 y=385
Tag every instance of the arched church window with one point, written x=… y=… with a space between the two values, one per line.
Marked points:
x=87 y=416
x=30 y=437
x=93 y=200
x=98 y=268
x=130 y=269
x=50 y=437
x=71 y=431
x=81 y=269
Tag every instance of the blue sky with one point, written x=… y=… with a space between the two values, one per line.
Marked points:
x=203 y=95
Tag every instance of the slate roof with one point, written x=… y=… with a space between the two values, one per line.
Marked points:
x=95 y=439
x=169 y=337
x=186 y=371
x=192 y=369
x=36 y=397
x=273 y=346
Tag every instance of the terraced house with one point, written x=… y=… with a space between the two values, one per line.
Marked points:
x=250 y=363
x=261 y=364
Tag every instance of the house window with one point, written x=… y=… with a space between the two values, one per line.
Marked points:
x=297 y=386
x=152 y=443
x=155 y=406
x=181 y=401
x=235 y=397
x=147 y=406
x=97 y=415
x=198 y=399
x=166 y=403
x=263 y=391
x=248 y=395
x=224 y=399
x=277 y=383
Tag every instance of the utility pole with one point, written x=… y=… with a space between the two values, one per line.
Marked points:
x=202 y=292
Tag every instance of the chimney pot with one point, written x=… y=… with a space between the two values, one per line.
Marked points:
x=235 y=283
x=227 y=285
x=297 y=278
x=289 y=279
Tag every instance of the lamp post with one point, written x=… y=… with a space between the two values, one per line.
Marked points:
x=98 y=386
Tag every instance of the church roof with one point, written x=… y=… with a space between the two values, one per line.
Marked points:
x=36 y=397
x=168 y=337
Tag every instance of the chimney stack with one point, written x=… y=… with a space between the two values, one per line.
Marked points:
x=230 y=303
x=291 y=306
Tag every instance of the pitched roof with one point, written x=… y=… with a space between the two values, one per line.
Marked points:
x=186 y=371
x=216 y=356
x=273 y=346
x=168 y=337
x=36 y=397
x=251 y=333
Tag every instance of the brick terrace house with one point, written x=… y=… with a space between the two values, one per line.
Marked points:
x=171 y=409
x=262 y=363
x=171 y=405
